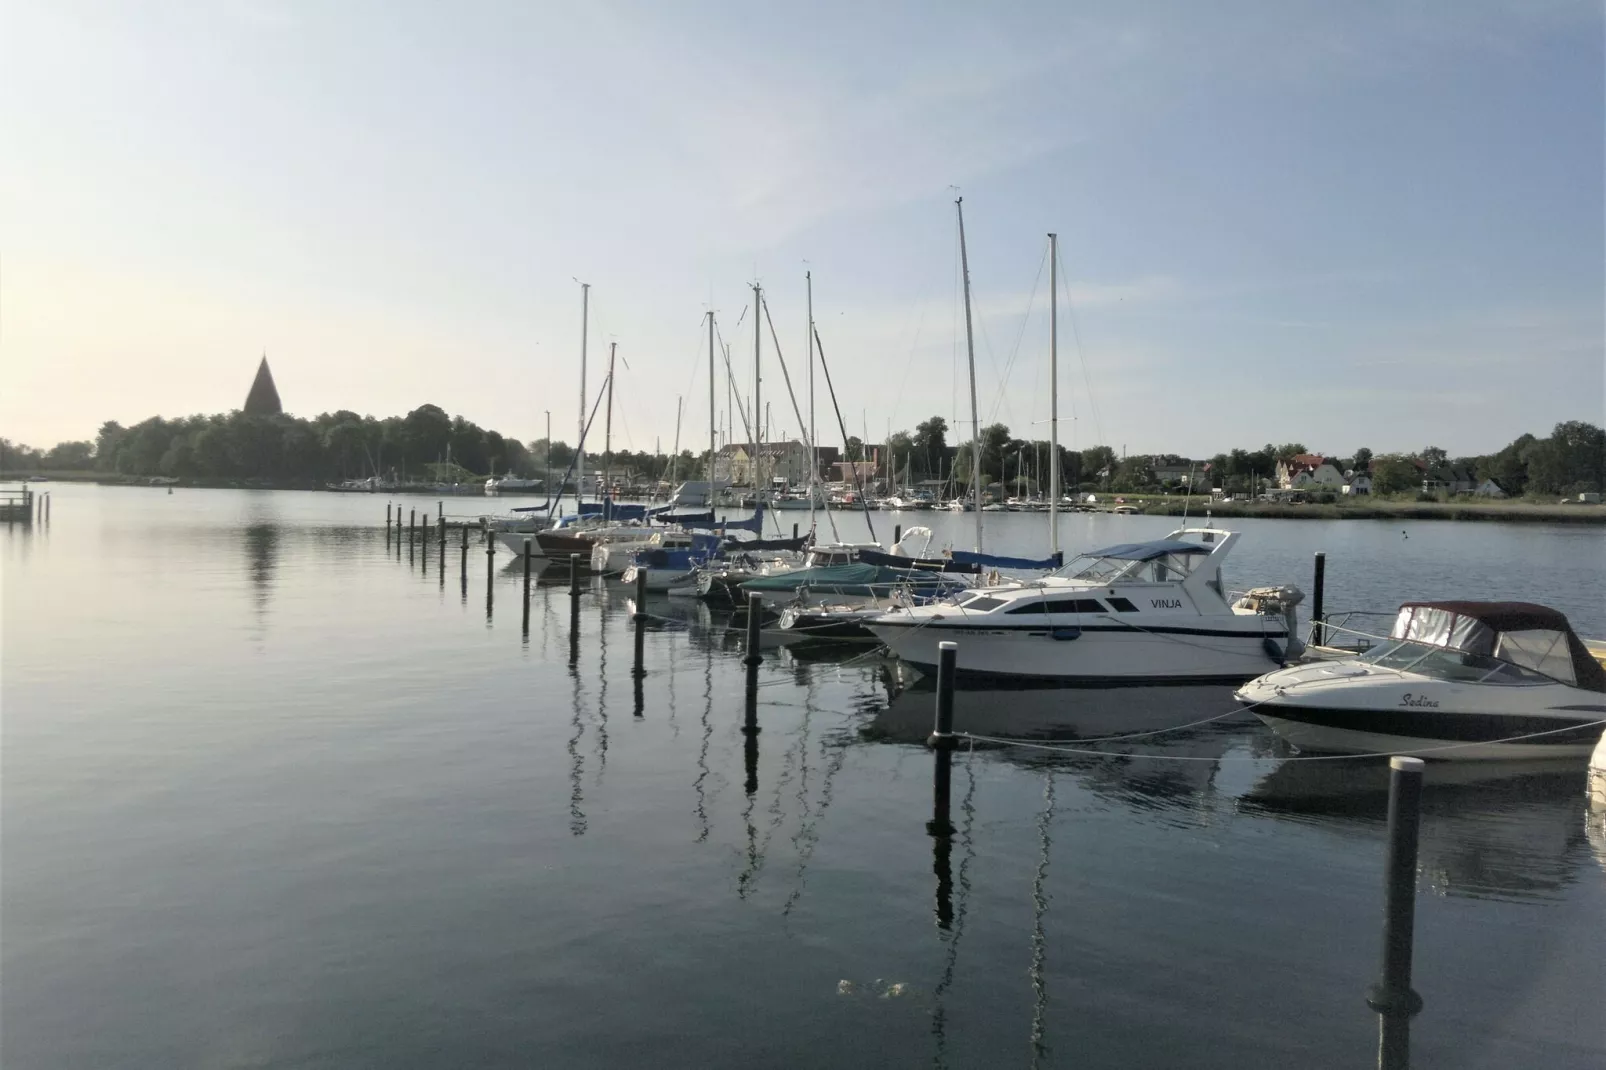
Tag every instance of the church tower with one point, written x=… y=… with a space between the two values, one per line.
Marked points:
x=263 y=400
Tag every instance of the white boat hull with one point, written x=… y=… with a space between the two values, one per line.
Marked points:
x=1353 y=707
x=1117 y=655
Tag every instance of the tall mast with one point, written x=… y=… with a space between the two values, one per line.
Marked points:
x=970 y=350
x=580 y=450
x=758 y=407
x=607 y=438
x=711 y=416
x=814 y=449
x=1053 y=394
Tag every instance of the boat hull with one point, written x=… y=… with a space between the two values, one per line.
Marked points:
x=1353 y=707
x=1086 y=654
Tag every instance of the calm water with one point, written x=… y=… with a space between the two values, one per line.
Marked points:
x=275 y=797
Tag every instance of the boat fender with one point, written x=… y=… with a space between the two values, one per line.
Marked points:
x=1061 y=635
x=1273 y=651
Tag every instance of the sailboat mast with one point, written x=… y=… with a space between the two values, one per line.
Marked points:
x=607 y=436
x=711 y=415
x=970 y=350
x=758 y=408
x=1053 y=394
x=580 y=450
x=814 y=449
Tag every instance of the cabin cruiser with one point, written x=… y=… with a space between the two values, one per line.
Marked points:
x=513 y=485
x=1453 y=680
x=614 y=553
x=1142 y=612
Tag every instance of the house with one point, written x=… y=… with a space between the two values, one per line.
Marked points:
x=1452 y=479
x=1357 y=483
x=1489 y=489
x=789 y=460
x=1182 y=475
x=854 y=472
x=1308 y=470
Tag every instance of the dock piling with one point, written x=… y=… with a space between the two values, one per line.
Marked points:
x=640 y=618
x=794 y=531
x=574 y=575
x=387 y=525
x=47 y=507
x=942 y=743
x=574 y=633
x=755 y=616
x=897 y=534
x=527 y=556
x=1393 y=994
x=1318 y=615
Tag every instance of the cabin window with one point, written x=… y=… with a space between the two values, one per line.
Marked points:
x=983 y=603
x=1063 y=605
x=1123 y=606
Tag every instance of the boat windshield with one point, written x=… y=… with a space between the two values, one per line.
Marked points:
x=1447 y=663
x=1106 y=570
x=1542 y=651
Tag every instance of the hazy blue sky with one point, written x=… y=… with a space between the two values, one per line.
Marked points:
x=1346 y=224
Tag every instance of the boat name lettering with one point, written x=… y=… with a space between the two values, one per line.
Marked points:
x=1166 y=603
x=1417 y=700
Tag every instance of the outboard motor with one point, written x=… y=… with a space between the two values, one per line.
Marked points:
x=1274 y=601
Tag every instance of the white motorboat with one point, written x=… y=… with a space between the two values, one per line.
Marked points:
x=513 y=485
x=1143 y=613
x=1453 y=680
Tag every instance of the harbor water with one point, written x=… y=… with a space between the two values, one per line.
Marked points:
x=278 y=793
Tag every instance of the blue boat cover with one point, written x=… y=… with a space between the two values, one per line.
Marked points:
x=703 y=519
x=970 y=557
x=1148 y=551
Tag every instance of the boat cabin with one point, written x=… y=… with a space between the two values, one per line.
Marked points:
x=1488 y=642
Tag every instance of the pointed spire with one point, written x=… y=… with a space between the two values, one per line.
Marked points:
x=263 y=400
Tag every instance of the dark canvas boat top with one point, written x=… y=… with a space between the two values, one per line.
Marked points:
x=1526 y=634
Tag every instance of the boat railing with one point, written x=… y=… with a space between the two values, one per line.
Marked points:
x=1341 y=622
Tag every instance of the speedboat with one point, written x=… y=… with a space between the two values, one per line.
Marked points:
x=1453 y=680
x=1136 y=613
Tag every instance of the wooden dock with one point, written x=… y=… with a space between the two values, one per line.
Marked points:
x=21 y=505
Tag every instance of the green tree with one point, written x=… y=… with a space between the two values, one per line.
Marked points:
x=1434 y=457
x=1362 y=461
x=1288 y=450
x=1098 y=463
x=854 y=449
x=1394 y=474
x=930 y=446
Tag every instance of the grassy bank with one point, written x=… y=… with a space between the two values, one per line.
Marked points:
x=1383 y=509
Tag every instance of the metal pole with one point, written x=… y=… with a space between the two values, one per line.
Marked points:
x=1318 y=634
x=580 y=447
x=970 y=346
x=942 y=742
x=1393 y=993
x=1053 y=395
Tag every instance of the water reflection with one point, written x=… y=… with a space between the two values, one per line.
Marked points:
x=1040 y=897
x=261 y=559
x=1500 y=830
x=948 y=912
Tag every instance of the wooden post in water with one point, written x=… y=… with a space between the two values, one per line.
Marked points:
x=1393 y=993
x=387 y=525
x=1318 y=613
x=465 y=536
x=47 y=507
x=412 y=525
x=574 y=632
x=574 y=575
x=794 y=531
x=897 y=534
x=640 y=617
x=942 y=742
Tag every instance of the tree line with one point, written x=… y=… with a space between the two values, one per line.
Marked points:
x=429 y=444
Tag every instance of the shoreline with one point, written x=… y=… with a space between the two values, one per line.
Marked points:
x=1510 y=512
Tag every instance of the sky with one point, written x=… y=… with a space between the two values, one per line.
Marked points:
x=1367 y=224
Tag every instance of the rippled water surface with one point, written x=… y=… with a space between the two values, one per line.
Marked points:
x=276 y=795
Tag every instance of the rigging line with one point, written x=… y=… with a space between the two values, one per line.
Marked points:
x=858 y=476
x=730 y=376
x=1081 y=356
x=808 y=440
x=1020 y=336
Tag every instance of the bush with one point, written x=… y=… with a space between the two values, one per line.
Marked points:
x=1424 y=496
